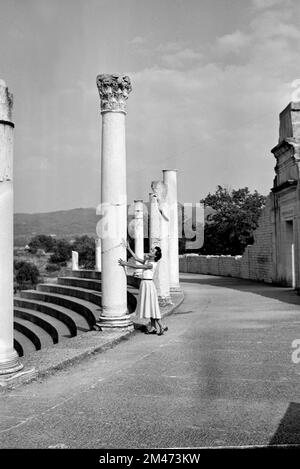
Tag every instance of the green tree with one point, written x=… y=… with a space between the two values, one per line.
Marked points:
x=85 y=246
x=26 y=272
x=47 y=243
x=62 y=252
x=235 y=213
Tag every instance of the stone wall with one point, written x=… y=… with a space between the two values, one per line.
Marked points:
x=256 y=263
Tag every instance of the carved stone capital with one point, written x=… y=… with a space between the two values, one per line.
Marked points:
x=113 y=91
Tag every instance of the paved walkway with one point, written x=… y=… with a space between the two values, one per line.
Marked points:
x=221 y=376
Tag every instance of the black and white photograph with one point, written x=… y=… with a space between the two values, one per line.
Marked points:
x=149 y=231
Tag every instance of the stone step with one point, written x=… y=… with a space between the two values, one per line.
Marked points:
x=91 y=274
x=82 y=293
x=69 y=320
x=86 y=309
x=50 y=325
x=87 y=283
x=30 y=330
x=24 y=343
x=18 y=348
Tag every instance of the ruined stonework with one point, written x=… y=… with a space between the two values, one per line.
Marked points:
x=275 y=255
x=255 y=264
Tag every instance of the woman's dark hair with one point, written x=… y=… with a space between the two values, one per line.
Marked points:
x=157 y=254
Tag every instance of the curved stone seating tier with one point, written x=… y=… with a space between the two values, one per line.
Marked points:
x=67 y=290
x=43 y=323
x=66 y=318
x=91 y=274
x=24 y=345
x=91 y=284
x=35 y=333
x=80 y=306
x=61 y=310
x=17 y=345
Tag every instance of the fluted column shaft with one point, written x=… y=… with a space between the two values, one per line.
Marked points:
x=139 y=228
x=170 y=179
x=113 y=91
x=154 y=222
x=159 y=233
x=9 y=360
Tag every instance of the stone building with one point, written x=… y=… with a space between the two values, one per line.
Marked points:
x=286 y=199
x=275 y=255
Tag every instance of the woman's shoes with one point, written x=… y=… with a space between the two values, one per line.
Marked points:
x=151 y=331
x=154 y=331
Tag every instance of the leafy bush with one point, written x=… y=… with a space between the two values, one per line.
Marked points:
x=85 y=246
x=44 y=242
x=26 y=272
x=62 y=252
x=52 y=267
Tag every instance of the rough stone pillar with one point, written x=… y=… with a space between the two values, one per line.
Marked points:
x=113 y=91
x=9 y=359
x=170 y=179
x=154 y=228
x=160 y=217
x=75 y=260
x=98 y=254
x=139 y=231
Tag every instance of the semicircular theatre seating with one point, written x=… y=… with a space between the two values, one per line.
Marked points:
x=58 y=311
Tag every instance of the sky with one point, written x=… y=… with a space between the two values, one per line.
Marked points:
x=209 y=79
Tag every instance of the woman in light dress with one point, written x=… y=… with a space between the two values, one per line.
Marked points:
x=147 y=304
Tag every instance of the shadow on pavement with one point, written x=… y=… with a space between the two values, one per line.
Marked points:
x=284 y=294
x=288 y=431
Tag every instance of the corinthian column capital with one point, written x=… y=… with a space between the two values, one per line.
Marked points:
x=113 y=91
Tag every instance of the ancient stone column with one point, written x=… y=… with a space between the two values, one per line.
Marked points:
x=159 y=216
x=113 y=91
x=170 y=179
x=9 y=359
x=75 y=260
x=139 y=231
x=154 y=222
x=98 y=254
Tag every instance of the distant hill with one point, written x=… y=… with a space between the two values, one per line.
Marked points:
x=63 y=223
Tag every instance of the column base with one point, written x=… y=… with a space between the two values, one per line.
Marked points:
x=164 y=301
x=11 y=364
x=109 y=322
x=19 y=376
x=175 y=289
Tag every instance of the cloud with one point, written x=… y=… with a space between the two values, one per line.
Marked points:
x=233 y=42
x=181 y=58
x=263 y=4
x=216 y=120
x=137 y=40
